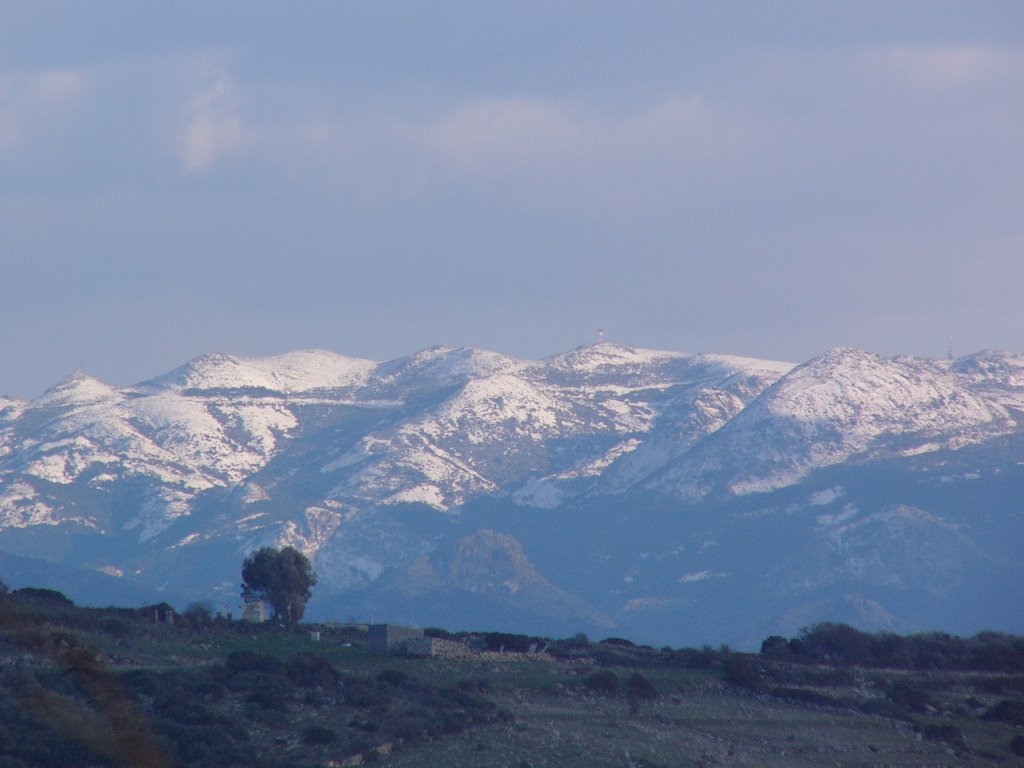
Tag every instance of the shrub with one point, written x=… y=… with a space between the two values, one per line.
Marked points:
x=359 y=692
x=619 y=641
x=1017 y=745
x=639 y=687
x=612 y=656
x=392 y=677
x=115 y=627
x=268 y=699
x=804 y=696
x=702 y=659
x=47 y=597
x=579 y=640
x=250 y=661
x=198 y=613
x=909 y=697
x=743 y=671
x=205 y=745
x=602 y=681
x=837 y=642
x=947 y=733
x=1006 y=711
x=776 y=646
x=480 y=685
x=318 y=735
x=182 y=707
x=307 y=670
x=638 y=690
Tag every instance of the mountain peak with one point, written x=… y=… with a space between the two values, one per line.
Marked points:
x=77 y=389
x=450 y=364
x=292 y=372
x=841 y=404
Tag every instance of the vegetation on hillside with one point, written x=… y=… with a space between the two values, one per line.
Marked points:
x=118 y=687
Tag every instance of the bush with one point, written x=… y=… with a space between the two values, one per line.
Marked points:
x=307 y=670
x=602 y=681
x=619 y=641
x=638 y=690
x=250 y=661
x=115 y=627
x=743 y=671
x=949 y=734
x=705 y=658
x=909 y=697
x=1017 y=745
x=205 y=745
x=776 y=646
x=359 y=692
x=318 y=735
x=639 y=687
x=612 y=656
x=392 y=677
x=1006 y=711
x=805 y=696
x=837 y=642
x=46 y=597
x=579 y=640
x=198 y=613
x=268 y=699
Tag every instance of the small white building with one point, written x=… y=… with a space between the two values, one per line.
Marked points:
x=390 y=638
x=255 y=611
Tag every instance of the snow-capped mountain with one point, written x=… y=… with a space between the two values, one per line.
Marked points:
x=844 y=405
x=618 y=469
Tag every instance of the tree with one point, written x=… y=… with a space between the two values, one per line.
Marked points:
x=283 y=578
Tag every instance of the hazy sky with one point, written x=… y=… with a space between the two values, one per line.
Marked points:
x=767 y=179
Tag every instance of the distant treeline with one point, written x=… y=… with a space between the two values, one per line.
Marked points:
x=842 y=644
x=826 y=643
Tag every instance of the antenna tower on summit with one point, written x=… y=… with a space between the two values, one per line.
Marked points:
x=600 y=335
x=949 y=349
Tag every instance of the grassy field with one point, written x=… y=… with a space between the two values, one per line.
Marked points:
x=87 y=687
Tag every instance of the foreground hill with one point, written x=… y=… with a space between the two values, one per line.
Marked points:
x=668 y=495
x=111 y=687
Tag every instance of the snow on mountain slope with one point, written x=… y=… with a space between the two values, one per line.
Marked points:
x=997 y=375
x=256 y=443
x=843 y=404
x=502 y=421
x=301 y=371
x=178 y=435
x=677 y=401
x=10 y=410
x=613 y=362
x=445 y=366
x=488 y=432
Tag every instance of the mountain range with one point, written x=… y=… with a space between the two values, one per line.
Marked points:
x=664 y=496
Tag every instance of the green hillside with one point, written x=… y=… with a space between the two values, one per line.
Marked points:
x=116 y=687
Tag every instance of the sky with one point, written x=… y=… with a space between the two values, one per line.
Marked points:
x=762 y=179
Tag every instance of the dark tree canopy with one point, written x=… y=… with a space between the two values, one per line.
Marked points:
x=283 y=578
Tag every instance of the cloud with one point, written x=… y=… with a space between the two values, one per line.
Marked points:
x=212 y=126
x=553 y=151
x=943 y=66
x=32 y=102
x=515 y=137
x=790 y=134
